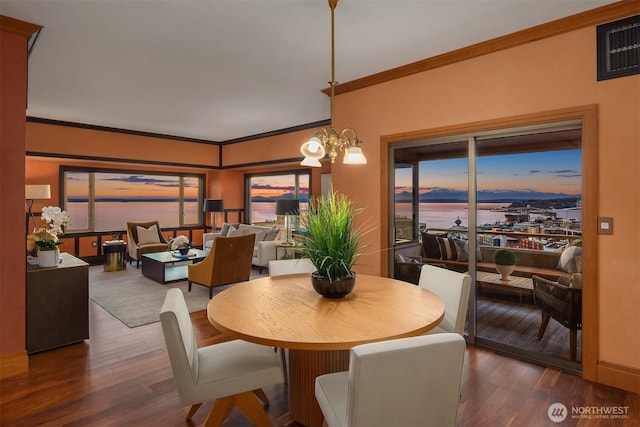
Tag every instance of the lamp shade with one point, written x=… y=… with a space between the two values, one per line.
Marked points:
x=213 y=205
x=354 y=156
x=36 y=192
x=287 y=206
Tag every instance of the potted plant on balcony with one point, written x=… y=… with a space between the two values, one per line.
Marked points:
x=333 y=244
x=505 y=260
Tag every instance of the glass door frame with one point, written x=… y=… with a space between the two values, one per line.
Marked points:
x=472 y=139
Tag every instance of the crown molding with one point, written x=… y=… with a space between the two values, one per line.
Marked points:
x=600 y=15
x=17 y=26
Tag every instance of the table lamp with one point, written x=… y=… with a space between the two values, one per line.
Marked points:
x=213 y=206
x=36 y=192
x=288 y=207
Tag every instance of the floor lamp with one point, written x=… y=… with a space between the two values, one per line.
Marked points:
x=35 y=192
x=288 y=207
x=213 y=206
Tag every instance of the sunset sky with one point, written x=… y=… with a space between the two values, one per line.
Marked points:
x=556 y=171
x=130 y=186
x=276 y=185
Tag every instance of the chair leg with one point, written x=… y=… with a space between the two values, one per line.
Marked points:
x=543 y=325
x=245 y=402
x=283 y=360
x=220 y=411
x=189 y=285
x=210 y=292
x=193 y=409
x=573 y=343
x=248 y=405
x=138 y=264
x=260 y=393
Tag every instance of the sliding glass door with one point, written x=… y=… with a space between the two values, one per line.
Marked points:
x=468 y=196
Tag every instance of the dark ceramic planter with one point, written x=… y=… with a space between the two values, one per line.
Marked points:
x=338 y=288
x=184 y=251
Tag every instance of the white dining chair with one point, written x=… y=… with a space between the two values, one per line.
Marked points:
x=231 y=373
x=453 y=289
x=281 y=267
x=404 y=382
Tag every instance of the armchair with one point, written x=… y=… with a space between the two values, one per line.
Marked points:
x=561 y=302
x=228 y=261
x=144 y=238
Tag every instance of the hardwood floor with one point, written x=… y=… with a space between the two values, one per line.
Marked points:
x=510 y=322
x=121 y=377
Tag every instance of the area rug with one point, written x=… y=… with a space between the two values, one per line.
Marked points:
x=136 y=300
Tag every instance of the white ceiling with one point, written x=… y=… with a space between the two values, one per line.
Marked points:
x=224 y=69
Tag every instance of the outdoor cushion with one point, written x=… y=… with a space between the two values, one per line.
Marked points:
x=567 y=260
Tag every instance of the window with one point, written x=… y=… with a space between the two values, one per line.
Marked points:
x=104 y=200
x=264 y=190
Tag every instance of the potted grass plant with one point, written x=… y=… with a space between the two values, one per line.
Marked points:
x=505 y=260
x=333 y=243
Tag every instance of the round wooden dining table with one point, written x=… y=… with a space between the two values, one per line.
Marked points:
x=286 y=312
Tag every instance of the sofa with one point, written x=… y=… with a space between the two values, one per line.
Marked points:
x=265 y=246
x=452 y=253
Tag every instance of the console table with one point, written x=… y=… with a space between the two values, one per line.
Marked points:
x=57 y=304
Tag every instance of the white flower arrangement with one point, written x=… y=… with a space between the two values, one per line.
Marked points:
x=55 y=218
x=180 y=242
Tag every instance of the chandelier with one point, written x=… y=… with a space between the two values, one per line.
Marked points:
x=329 y=142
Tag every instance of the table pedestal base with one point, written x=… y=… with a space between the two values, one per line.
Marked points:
x=304 y=367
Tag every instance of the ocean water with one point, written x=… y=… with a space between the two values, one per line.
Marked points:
x=114 y=215
x=444 y=215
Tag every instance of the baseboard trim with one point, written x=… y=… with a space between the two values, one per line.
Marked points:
x=619 y=376
x=13 y=364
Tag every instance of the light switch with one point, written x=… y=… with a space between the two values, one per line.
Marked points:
x=605 y=225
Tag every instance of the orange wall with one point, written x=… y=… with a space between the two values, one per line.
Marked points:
x=46 y=138
x=13 y=98
x=272 y=148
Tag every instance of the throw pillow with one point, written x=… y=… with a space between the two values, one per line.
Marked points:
x=576 y=281
x=430 y=247
x=463 y=250
x=225 y=229
x=272 y=234
x=260 y=235
x=236 y=232
x=147 y=235
x=447 y=248
x=400 y=258
x=567 y=260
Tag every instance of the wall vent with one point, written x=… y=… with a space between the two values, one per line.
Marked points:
x=619 y=48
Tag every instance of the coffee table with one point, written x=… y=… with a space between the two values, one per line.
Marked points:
x=161 y=266
x=523 y=286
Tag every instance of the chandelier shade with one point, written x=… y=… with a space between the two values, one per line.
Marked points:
x=329 y=142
